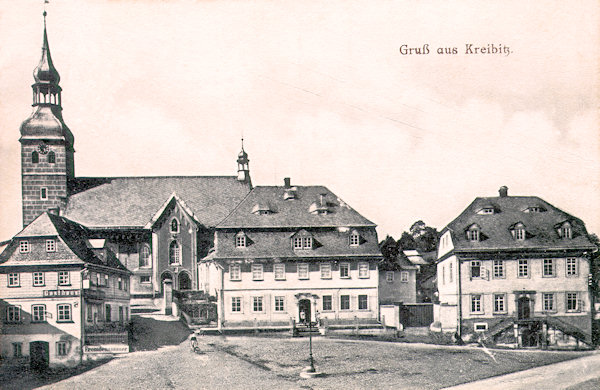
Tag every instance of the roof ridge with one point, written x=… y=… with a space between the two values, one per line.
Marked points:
x=159 y=177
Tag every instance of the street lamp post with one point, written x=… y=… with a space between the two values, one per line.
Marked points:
x=312 y=362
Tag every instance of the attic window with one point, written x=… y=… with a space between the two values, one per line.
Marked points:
x=354 y=238
x=518 y=232
x=262 y=209
x=473 y=233
x=240 y=241
x=565 y=231
x=290 y=193
x=535 y=209
x=486 y=210
x=321 y=206
x=302 y=243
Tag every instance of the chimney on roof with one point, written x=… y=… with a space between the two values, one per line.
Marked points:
x=287 y=182
x=503 y=191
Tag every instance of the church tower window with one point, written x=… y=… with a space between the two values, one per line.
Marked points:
x=35 y=157
x=174 y=225
x=174 y=253
x=51 y=158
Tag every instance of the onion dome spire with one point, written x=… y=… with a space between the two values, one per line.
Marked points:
x=45 y=72
x=244 y=166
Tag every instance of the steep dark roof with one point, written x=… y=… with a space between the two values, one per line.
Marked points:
x=133 y=201
x=509 y=210
x=293 y=212
x=277 y=244
x=401 y=262
x=73 y=234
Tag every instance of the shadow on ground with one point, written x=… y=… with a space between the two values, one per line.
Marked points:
x=148 y=334
x=22 y=377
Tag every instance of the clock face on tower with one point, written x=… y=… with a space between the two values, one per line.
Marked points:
x=43 y=148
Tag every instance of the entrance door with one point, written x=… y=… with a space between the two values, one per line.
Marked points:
x=524 y=308
x=185 y=283
x=304 y=310
x=39 y=355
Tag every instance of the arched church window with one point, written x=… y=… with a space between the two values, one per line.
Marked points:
x=174 y=253
x=35 y=157
x=51 y=157
x=145 y=256
x=174 y=225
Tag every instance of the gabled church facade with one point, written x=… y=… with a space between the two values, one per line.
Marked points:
x=159 y=225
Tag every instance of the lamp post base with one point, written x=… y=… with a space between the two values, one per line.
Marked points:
x=310 y=372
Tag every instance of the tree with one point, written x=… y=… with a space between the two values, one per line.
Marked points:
x=389 y=248
x=407 y=241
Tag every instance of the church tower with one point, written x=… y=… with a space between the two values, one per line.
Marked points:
x=244 y=166
x=47 y=154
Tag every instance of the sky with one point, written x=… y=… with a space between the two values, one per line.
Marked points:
x=321 y=93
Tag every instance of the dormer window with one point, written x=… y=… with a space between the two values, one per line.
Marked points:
x=519 y=232
x=473 y=233
x=240 y=241
x=534 y=209
x=565 y=231
x=290 y=193
x=302 y=242
x=262 y=209
x=487 y=210
x=174 y=225
x=354 y=238
x=321 y=206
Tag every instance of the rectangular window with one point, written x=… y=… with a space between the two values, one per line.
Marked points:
x=108 y=313
x=17 y=350
x=476 y=306
x=389 y=276
x=344 y=270
x=548 y=301
x=13 y=314
x=404 y=276
x=24 y=247
x=520 y=234
x=297 y=242
x=344 y=302
x=89 y=313
x=354 y=239
x=450 y=274
x=307 y=242
x=106 y=280
x=327 y=303
x=144 y=279
x=279 y=271
x=235 y=272
x=61 y=348
x=303 y=271
x=63 y=278
x=121 y=313
x=499 y=269
x=120 y=283
x=443 y=275
x=50 y=245
x=13 y=280
x=240 y=241
x=280 y=304
x=63 y=313
x=523 y=268
x=38 y=279
x=573 y=301
x=257 y=304
x=257 y=272
x=43 y=193
x=499 y=303
x=363 y=270
x=325 y=271
x=572 y=266
x=38 y=313
x=475 y=269
x=473 y=235
x=363 y=302
x=548 y=267
x=236 y=304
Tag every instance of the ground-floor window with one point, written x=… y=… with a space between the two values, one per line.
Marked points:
x=476 y=304
x=389 y=276
x=236 y=304
x=17 y=349
x=108 y=314
x=121 y=313
x=61 y=348
x=548 y=299
x=344 y=302
x=327 y=303
x=363 y=302
x=144 y=279
x=257 y=304
x=279 y=303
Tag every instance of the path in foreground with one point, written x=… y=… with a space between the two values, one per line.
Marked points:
x=274 y=363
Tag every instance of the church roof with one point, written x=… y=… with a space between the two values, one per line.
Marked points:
x=45 y=72
x=303 y=210
x=46 y=123
x=133 y=201
x=495 y=229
